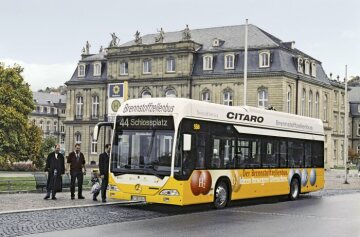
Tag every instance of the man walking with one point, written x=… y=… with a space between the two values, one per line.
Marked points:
x=76 y=160
x=56 y=168
x=104 y=170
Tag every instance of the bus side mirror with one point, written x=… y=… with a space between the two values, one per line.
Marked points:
x=98 y=126
x=186 y=142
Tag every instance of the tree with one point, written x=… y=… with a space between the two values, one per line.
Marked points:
x=46 y=147
x=16 y=103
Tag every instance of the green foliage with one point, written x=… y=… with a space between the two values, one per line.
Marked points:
x=47 y=146
x=18 y=139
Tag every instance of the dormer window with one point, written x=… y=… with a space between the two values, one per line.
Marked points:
x=313 y=69
x=208 y=62
x=97 y=69
x=216 y=43
x=229 y=61
x=81 y=70
x=300 y=65
x=307 y=67
x=124 y=68
x=264 y=59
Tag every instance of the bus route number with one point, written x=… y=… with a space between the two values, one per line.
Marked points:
x=124 y=122
x=196 y=126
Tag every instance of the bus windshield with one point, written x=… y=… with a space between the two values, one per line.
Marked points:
x=143 y=145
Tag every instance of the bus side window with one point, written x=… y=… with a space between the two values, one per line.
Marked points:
x=200 y=151
x=215 y=159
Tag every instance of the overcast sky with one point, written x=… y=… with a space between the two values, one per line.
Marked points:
x=46 y=37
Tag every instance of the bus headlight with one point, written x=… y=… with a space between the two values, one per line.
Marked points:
x=169 y=192
x=113 y=188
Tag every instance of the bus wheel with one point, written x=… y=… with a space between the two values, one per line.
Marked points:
x=294 y=189
x=221 y=195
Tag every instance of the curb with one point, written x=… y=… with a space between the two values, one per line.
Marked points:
x=69 y=207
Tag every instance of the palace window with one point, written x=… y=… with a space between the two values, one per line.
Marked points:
x=208 y=62
x=146 y=94
x=147 y=66
x=81 y=70
x=264 y=59
x=325 y=107
x=317 y=107
x=170 y=65
x=55 y=126
x=124 y=68
x=335 y=123
x=97 y=69
x=95 y=107
x=205 y=96
x=307 y=67
x=262 y=98
x=77 y=138
x=228 y=98
x=310 y=104
x=93 y=145
x=170 y=93
x=358 y=129
x=288 y=99
x=303 y=102
x=313 y=69
x=79 y=107
x=229 y=61
x=300 y=65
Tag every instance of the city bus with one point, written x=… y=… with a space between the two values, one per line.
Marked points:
x=181 y=151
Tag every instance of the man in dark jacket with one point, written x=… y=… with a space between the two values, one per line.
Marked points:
x=55 y=167
x=76 y=161
x=104 y=170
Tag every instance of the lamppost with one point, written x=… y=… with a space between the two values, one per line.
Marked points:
x=345 y=130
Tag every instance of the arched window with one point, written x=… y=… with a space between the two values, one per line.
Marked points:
x=41 y=125
x=229 y=61
x=170 y=93
x=300 y=65
x=79 y=107
x=48 y=126
x=95 y=107
x=264 y=59
x=310 y=103
x=55 y=126
x=205 y=96
x=288 y=99
x=81 y=70
x=262 y=98
x=307 y=67
x=325 y=107
x=146 y=94
x=303 y=102
x=207 y=62
x=228 y=98
x=317 y=108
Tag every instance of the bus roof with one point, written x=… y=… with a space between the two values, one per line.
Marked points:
x=237 y=115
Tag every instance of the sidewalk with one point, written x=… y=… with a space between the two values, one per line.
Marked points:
x=20 y=202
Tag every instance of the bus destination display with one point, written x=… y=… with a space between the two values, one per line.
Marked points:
x=145 y=122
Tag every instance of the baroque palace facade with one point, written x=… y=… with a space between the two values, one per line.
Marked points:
x=204 y=64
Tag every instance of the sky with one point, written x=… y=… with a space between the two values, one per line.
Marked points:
x=46 y=37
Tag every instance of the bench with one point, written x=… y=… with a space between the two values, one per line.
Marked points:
x=40 y=180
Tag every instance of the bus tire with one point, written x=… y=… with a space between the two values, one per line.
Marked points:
x=294 y=189
x=221 y=197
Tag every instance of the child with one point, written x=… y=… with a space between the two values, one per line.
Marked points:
x=95 y=181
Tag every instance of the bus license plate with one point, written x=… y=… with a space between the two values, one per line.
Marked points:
x=138 y=198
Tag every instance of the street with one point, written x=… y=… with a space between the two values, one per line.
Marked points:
x=331 y=215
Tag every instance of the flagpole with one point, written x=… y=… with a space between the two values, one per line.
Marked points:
x=245 y=62
x=345 y=130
